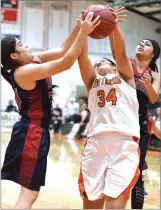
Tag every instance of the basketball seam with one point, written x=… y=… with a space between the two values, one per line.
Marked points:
x=101 y=17
x=102 y=31
x=97 y=10
x=107 y=21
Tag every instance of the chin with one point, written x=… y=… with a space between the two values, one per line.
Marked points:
x=102 y=73
x=139 y=53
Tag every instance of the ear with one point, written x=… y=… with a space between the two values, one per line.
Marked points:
x=14 y=56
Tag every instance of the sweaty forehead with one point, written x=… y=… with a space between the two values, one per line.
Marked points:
x=102 y=61
x=146 y=41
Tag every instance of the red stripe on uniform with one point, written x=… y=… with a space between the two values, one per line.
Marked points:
x=149 y=127
x=35 y=101
x=35 y=104
x=30 y=154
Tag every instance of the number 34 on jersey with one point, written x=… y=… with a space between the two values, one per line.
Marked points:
x=111 y=97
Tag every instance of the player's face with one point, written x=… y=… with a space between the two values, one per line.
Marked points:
x=145 y=48
x=104 y=67
x=22 y=53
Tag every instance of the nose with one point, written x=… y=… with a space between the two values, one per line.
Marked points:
x=99 y=64
x=142 y=44
x=26 y=46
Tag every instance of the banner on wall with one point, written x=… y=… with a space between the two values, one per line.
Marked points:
x=6 y=35
x=9 y=11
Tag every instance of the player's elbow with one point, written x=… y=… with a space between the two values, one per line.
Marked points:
x=154 y=100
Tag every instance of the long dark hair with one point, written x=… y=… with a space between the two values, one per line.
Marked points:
x=8 y=45
x=156 y=51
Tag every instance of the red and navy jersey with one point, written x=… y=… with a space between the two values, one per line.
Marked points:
x=35 y=104
x=141 y=90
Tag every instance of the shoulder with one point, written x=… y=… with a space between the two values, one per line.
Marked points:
x=155 y=75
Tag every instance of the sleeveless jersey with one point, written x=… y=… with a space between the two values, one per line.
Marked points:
x=141 y=91
x=113 y=106
x=35 y=104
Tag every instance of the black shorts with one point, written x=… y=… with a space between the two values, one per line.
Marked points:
x=26 y=155
x=145 y=135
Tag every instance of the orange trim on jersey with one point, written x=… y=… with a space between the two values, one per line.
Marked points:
x=135 y=178
x=80 y=178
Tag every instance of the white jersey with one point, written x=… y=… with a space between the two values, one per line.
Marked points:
x=113 y=106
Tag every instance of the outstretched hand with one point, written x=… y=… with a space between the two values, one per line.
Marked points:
x=88 y=25
x=146 y=79
x=120 y=14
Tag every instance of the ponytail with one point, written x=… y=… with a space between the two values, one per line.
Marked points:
x=6 y=75
x=153 y=66
x=8 y=46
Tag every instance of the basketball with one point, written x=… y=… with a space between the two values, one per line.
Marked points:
x=107 y=21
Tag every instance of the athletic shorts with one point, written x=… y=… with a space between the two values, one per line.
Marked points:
x=109 y=166
x=26 y=155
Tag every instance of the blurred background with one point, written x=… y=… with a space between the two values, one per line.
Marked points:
x=44 y=25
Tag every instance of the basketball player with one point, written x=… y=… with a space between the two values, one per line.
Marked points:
x=154 y=128
x=30 y=76
x=110 y=159
x=147 y=81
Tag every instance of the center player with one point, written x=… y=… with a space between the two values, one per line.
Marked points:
x=110 y=159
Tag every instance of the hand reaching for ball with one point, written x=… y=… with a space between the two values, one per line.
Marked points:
x=88 y=24
x=120 y=14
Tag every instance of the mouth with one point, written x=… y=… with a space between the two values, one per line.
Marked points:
x=140 y=49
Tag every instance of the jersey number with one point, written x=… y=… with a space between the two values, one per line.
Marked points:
x=110 y=97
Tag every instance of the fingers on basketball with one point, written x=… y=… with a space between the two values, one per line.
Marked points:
x=89 y=16
x=119 y=9
x=96 y=20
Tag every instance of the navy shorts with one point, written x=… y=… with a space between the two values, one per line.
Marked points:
x=145 y=135
x=26 y=155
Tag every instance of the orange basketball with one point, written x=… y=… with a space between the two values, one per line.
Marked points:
x=107 y=21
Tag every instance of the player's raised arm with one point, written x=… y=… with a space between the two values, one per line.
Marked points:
x=31 y=73
x=120 y=14
x=122 y=60
x=86 y=68
x=60 y=51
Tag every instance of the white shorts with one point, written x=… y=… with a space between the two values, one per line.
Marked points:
x=109 y=165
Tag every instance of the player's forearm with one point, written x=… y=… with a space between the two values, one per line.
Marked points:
x=152 y=95
x=75 y=50
x=69 y=40
x=112 y=44
x=118 y=40
x=84 y=51
x=122 y=61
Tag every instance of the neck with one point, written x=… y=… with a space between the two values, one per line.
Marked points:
x=141 y=64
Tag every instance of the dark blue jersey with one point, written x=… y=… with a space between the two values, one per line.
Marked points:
x=141 y=90
x=35 y=104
